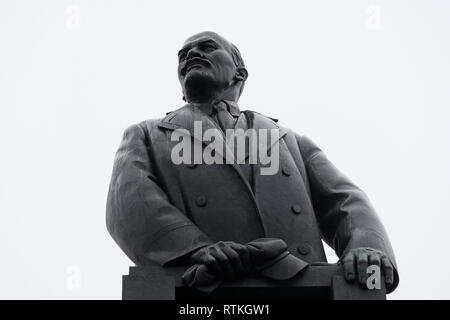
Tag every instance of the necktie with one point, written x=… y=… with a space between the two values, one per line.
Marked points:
x=224 y=118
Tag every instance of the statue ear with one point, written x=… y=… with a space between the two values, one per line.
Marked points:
x=241 y=74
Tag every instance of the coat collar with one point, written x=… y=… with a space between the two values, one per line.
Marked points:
x=232 y=107
x=186 y=116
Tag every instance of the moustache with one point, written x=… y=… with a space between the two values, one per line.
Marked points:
x=193 y=61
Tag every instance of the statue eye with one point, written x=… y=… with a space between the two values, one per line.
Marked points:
x=181 y=55
x=208 y=47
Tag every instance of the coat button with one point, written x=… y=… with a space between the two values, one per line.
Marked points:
x=191 y=165
x=296 y=209
x=286 y=171
x=201 y=201
x=304 y=249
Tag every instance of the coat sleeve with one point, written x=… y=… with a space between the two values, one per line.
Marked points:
x=139 y=215
x=345 y=215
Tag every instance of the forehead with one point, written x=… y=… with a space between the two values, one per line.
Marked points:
x=203 y=37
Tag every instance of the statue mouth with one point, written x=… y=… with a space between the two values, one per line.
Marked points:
x=194 y=63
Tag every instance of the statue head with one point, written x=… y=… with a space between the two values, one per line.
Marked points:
x=209 y=68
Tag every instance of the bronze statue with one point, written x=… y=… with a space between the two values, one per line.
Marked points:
x=197 y=214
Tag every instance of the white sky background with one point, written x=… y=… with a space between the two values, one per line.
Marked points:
x=368 y=81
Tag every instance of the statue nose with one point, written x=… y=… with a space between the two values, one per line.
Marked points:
x=194 y=52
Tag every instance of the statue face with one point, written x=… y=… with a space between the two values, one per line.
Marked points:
x=205 y=65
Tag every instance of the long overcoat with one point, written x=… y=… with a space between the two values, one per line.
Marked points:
x=158 y=211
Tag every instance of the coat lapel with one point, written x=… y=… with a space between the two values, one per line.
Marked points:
x=184 y=118
x=258 y=121
x=187 y=118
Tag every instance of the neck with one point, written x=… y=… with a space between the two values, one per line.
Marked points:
x=212 y=98
x=230 y=93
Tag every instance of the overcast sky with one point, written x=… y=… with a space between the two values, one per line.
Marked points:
x=368 y=81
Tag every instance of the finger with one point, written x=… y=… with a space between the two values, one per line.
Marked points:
x=388 y=270
x=374 y=259
x=224 y=263
x=212 y=264
x=349 y=266
x=198 y=256
x=361 y=265
x=234 y=259
x=244 y=253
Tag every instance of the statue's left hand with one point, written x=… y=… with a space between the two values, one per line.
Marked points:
x=225 y=259
x=356 y=261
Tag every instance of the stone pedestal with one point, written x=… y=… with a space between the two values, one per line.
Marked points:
x=324 y=281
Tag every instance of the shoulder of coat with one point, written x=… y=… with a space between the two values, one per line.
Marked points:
x=168 y=115
x=153 y=123
x=184 y=110
x=177 y=110
x=260 y=115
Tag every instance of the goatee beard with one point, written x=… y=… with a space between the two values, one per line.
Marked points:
x=201 y=89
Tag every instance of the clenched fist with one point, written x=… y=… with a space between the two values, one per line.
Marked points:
x=225 y=259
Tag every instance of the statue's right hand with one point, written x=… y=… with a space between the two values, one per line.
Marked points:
x=225 y=259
